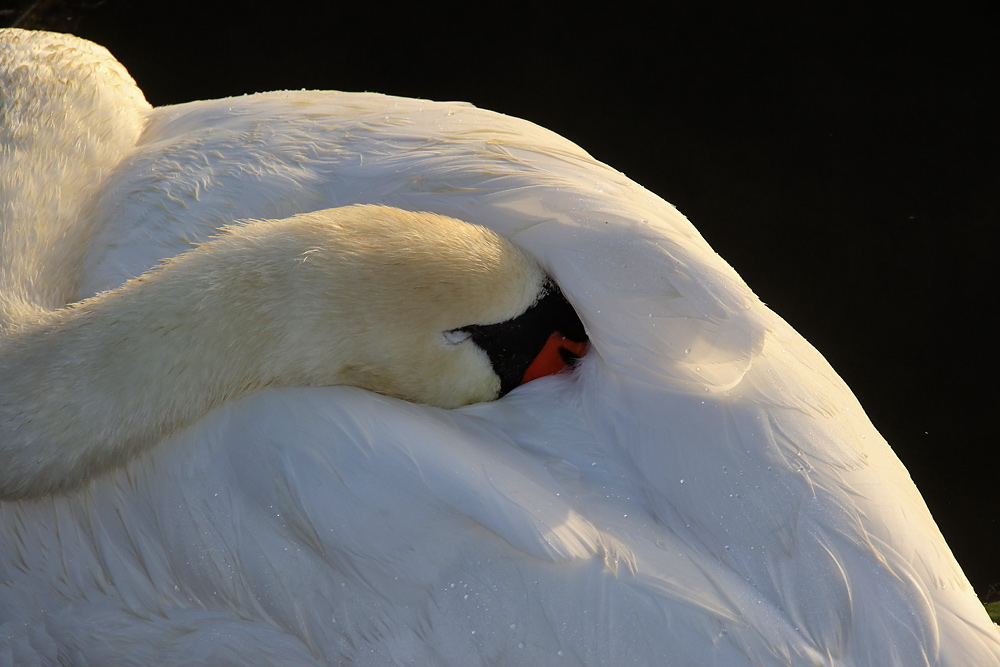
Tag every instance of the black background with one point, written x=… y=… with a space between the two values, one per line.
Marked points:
x=844 y=162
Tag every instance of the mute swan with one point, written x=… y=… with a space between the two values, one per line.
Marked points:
x=702 y=489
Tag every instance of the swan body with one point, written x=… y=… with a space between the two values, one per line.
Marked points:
x=702 y=490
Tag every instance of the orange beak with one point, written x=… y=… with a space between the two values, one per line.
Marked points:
x=554 y=357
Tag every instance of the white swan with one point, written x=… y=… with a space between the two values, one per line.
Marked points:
x=702 y=490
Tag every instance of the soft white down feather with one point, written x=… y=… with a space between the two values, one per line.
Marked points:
x=702 y=490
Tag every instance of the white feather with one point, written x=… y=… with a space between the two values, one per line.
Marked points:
x=704 y=490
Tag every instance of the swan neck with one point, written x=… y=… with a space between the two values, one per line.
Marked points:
x=126 y=369
x=69 y=114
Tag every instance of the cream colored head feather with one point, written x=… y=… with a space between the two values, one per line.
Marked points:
x=368 y=296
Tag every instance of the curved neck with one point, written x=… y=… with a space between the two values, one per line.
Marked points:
x=69 y=113
x=126 y=369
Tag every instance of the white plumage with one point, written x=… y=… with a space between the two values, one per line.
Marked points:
x=703 y=490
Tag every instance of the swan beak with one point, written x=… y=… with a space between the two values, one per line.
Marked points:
x=510 y=344
x=557 y=353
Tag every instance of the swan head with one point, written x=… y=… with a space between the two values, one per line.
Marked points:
x=417 y=306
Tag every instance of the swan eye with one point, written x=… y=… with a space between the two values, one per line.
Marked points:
x=456 y=336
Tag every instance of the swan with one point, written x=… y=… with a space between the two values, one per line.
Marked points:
x=701 y=489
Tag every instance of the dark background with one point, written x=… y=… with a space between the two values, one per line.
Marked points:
x=845 y=163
